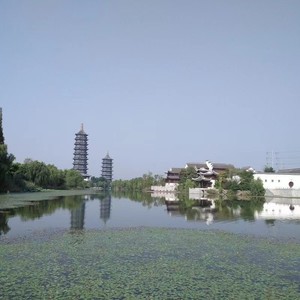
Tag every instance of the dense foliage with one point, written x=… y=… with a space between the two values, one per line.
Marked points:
x=186 y=179
x=268 y=169
x=138 y=184
x=240 y=180
x=34 y=175
x=1 y=130
x=100 y=183
x=6 y=162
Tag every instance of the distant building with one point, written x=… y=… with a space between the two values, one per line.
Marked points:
x=107 y=168
x=172 y=180
x=218 y=167
x=280 y=184
x=173 y=175
x=273 y=181
x=80 y=160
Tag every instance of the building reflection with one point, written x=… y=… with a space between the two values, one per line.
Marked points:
x=77 y=217
x=280 y=209
x=105 y=208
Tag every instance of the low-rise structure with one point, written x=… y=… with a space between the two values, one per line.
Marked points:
x=279 y=180
x=209 y=171
x=280 y=184
x=171 y=182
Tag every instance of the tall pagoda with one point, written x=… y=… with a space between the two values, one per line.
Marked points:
x=107 y=168
x=80 y=160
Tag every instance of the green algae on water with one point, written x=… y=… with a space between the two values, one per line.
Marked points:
x=148 y=263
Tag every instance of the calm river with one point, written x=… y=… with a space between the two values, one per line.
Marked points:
x=140 y=247
x=275 y=218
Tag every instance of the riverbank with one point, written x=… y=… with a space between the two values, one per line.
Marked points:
x=13 y=200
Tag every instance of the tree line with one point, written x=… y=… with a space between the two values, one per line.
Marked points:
x=33 y=175
x=142 y=183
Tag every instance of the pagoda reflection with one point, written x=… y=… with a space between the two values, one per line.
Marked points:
x=77 y=217
x=105 y=207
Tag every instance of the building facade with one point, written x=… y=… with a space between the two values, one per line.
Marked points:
x=80 y=160
x=285 y=181
x=107 y=168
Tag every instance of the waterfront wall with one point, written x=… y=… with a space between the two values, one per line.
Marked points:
x=283 y=193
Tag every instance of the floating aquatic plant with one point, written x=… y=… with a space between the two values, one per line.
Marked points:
x=148 y=263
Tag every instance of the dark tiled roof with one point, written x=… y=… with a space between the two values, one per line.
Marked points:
x=175 y=170
x=216 y=165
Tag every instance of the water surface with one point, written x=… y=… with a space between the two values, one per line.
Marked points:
x=270 y=219
x=104 y=247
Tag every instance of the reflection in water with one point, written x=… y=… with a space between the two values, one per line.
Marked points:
x=77 y=217
x=4 y=228
x=105 y=207
x=280 y=209
x=78 y=212
x=75 y=204
x=210 y=210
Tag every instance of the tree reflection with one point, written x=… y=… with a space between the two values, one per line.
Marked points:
x=142 y=197
x=214 y=210
x=4 y=228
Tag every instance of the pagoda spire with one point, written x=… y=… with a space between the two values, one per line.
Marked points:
x=107 y=168
x=80 y=160
x=81 y=128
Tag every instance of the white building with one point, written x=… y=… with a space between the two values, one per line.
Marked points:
x=279 y=180
x=280 y=184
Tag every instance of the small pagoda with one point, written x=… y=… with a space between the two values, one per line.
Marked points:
x=206 y=176
x=107 y=168
x=80 y=160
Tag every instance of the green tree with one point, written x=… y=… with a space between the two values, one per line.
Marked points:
x=246 y=179
x=73 y=179
x=1 y=129
x=36 y=172
x=6 y=161
x=143 y=183
x=185 y=179
x=56 y=177
x=257 y=188
x=100 y=182
x=268 y=169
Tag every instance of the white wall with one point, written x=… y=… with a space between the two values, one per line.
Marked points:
x=169 y=187
x=279 y=181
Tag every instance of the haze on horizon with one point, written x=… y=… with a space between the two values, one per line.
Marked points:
x=156 y=83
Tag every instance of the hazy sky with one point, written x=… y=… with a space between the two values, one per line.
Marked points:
x=156 y=83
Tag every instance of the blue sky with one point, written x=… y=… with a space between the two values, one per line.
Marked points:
x=156 y=83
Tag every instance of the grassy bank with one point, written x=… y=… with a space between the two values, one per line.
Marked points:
x=14 y=200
